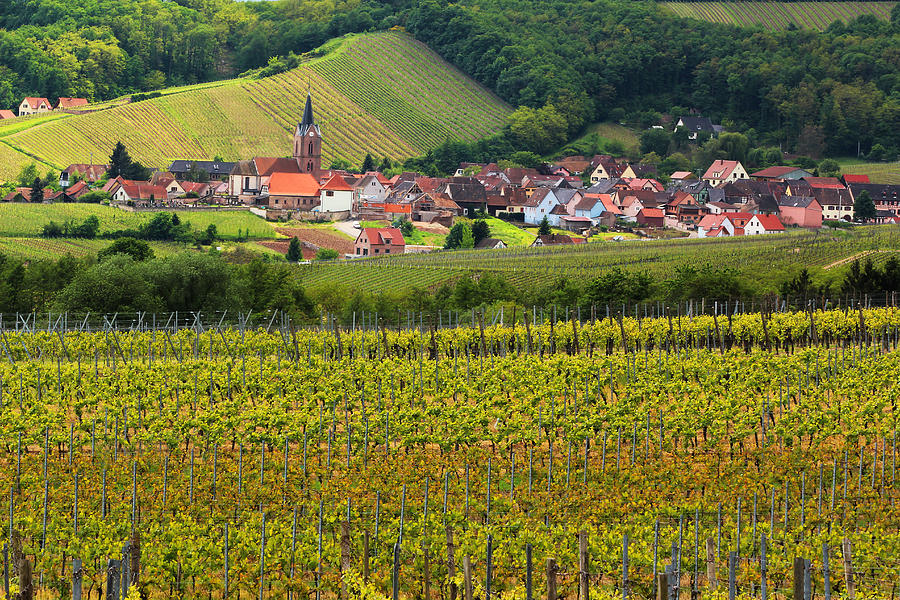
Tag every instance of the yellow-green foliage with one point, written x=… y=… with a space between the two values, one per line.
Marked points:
x=382 y=93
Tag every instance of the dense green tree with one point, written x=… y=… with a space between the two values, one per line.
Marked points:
x=480 y=230
x=544 y=227
x=27 y=175
x=540 y=130
x=139 y=250
x=864 y=208
x=368 y=163
x=459 y=234
x=37 y=190
x=294 y=253
x=655 y=140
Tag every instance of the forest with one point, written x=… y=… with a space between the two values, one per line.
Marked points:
x=573 y=63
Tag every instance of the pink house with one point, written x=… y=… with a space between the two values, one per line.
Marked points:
x=375 y=241
x=802 y=211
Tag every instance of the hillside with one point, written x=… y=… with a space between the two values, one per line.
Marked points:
x=383 y=93
x=778 y=15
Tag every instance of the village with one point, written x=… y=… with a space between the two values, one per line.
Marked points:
x=570 y=199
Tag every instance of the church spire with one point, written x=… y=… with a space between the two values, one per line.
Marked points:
x=308 y=120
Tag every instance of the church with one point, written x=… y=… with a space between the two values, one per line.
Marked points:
x=284 y=183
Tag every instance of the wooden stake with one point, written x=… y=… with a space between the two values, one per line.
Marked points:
x=711 y=564
x=848 y=564
x=467 y=577
x=345 y=557
x=583 y=570
x=451 y=564
x=551 y=579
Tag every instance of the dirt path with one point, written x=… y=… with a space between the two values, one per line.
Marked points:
x=856 y=256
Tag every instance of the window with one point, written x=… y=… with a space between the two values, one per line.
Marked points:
x=246 y=183
x=310 y=147
x=387 y=251
x=329 y=193
x=376 y=250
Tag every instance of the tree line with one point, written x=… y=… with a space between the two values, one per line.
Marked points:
x=807 y=92
x=128 y=277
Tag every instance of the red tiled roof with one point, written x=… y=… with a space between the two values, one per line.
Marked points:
x=824 y=182
x=142 y=190
x=652 y=212
x=850 y=178
x=775 y=172
x=71 y=102
x=720 y=169
x=337 y=184
x=385 y=235
x=7 y=114
x=36 y=102
x=267 y=165
x=770 y=222
x=293 y=184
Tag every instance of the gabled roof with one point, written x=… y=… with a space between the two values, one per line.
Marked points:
x=539 y=196
x=71 y=102
x=213 y=167
x=337 y=184
x=796 y=201
x=267 y=165
x=35 y=103
x=697 y=123
x=7 y=114
x=553 y=239
x=681 y=175
x=88 y=171
x=244 y=167
x=488 y=243
x=824 y=182
x=383 y=235
x=769 y=222
x=775 y=172
x=144 y=190
x=652 y=212
x=711 y=221
x=720 y=169
x=293 y=184
x=850 y=178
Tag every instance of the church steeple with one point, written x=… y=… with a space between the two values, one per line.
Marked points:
x=308 y=142
x=308 y=120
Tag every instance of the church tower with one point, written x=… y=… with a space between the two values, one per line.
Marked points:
x=308 y=142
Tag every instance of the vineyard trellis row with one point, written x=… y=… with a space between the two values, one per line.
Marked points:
x=514 y=438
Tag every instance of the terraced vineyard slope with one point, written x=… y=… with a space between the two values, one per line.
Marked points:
x=778 y=15
x=383 y=93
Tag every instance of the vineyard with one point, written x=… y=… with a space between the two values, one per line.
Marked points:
x=382 y=93
x=27 y=220
x=877 y=172
x=531 y=457
x=765 y=258
x=778 y=15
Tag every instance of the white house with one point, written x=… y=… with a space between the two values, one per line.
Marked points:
x=539 y=205
x=762 y=224
x=335 y=195
x=724 y=171
x=371 y=188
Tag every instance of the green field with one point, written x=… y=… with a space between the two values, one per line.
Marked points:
x=767 y=258
x=877 y=172
x=778 y=15
x=383 y=93
x=27 y=220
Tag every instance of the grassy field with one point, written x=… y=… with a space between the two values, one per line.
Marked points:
x=877 y=172
x=599 y=136
x=33 y=248
x=383 y=93
x=27 y=220
x=778 y=15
